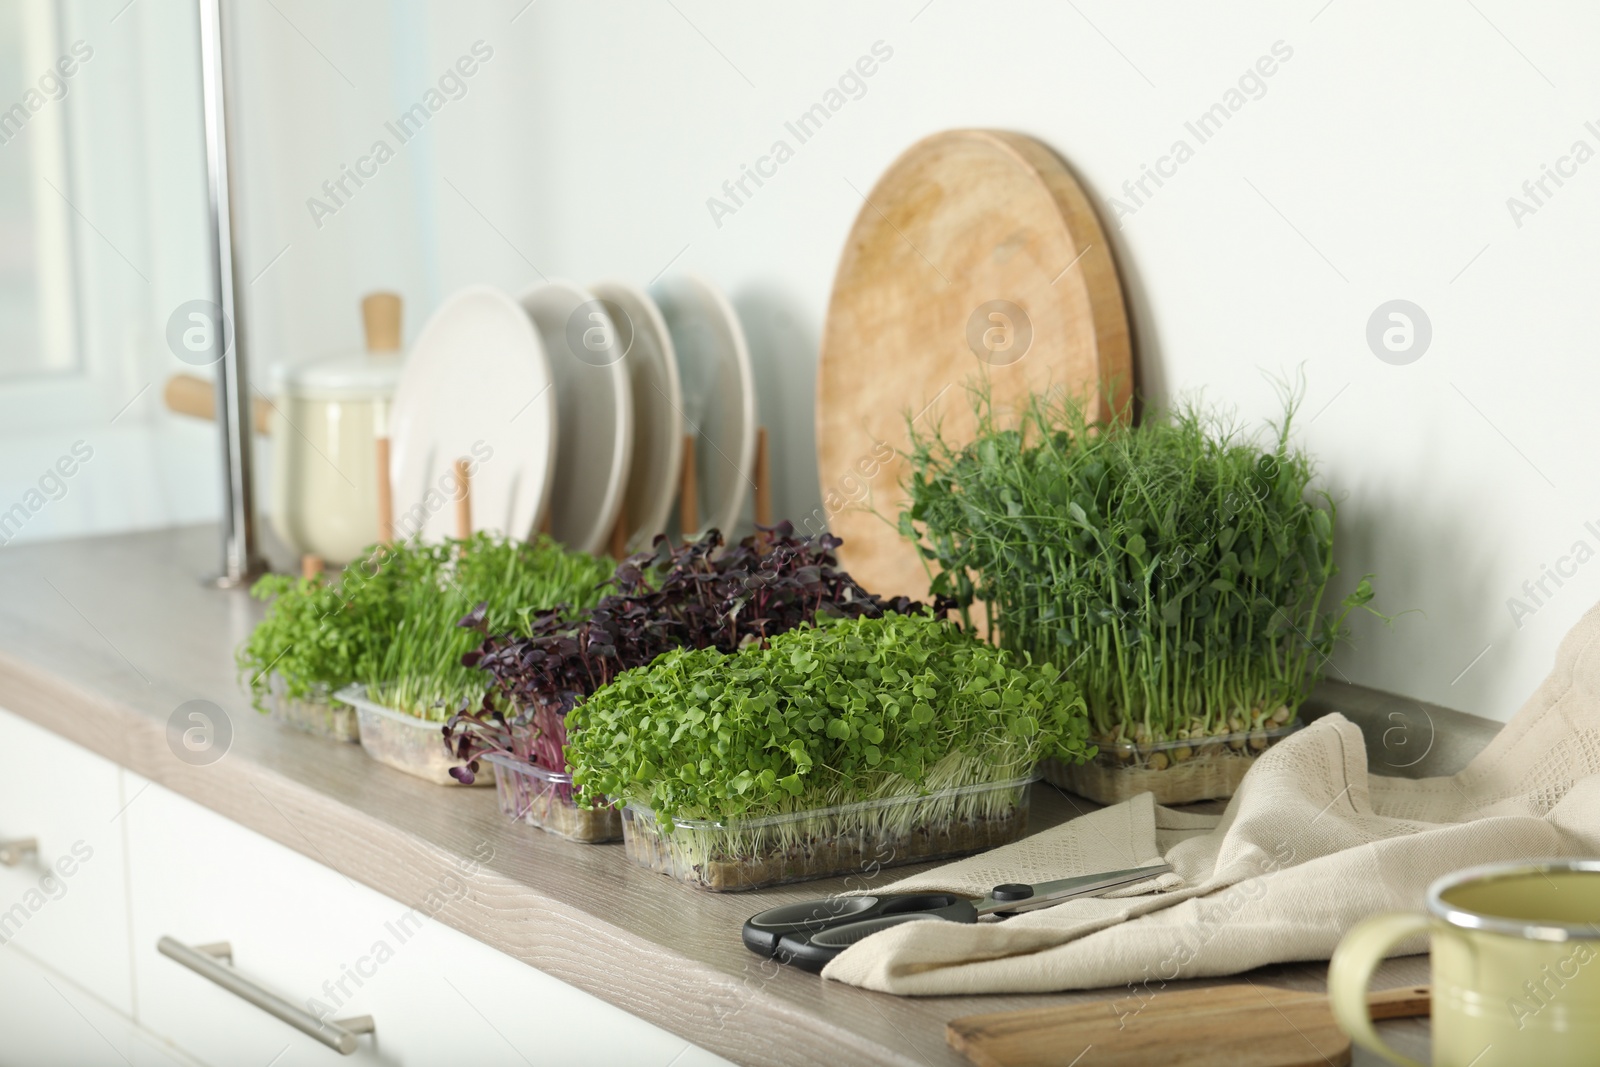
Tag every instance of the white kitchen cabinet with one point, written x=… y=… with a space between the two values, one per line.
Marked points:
x=47 y=1020
x=121 y=862
x=322 y=941
x=66 y=905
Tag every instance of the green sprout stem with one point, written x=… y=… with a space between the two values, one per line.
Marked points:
x=1177 y=569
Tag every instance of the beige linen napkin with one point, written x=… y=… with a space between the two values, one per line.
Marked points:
x=1310 y=844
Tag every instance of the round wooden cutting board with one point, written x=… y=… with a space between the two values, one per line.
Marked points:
x=977 y=255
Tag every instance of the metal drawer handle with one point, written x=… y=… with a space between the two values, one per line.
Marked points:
x=339 y=1035
x=12 y=853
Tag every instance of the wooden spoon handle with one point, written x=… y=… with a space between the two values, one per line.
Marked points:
x=463 y=501
x=189 y=394
x=689 y=492
x=385 y=492
x=763 y=480
x=380 y=315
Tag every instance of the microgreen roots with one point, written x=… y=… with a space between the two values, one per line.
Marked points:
x=1176 y=570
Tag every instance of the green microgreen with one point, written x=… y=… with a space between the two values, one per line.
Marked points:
x=836 y=712
x=389 y=620
x=1176 y=569
x=693 y=595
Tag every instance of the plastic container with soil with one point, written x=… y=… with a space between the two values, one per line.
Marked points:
x=1180 y=771
x=402 y=741
x=543 y=798
x=852 y=838
x=317 y=715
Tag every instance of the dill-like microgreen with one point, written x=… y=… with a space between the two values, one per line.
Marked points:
x=1176 y=570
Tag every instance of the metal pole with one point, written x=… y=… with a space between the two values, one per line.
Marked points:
x=241 y=556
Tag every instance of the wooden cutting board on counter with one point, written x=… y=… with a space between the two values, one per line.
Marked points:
x=976 y=257
x=1222 y=1026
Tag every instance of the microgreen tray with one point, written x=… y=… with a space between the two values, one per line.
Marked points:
x=822 y=842
x=543 y=798
x=402 y=741
x=1181 y=771
x=317 y=715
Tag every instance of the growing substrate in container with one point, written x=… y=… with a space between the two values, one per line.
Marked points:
x=851 y=838
x=402 y=741
x=1180 y=771
x=543 y=798
x=317 y=714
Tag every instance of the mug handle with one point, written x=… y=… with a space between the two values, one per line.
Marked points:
x=1350 y=972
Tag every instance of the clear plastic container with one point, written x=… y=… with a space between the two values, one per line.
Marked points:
x=404 y=742
x=852 y=838
x=1177 y=772
x=318 y=715
x=543 y=798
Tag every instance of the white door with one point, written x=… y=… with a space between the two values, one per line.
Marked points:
x=102 y=239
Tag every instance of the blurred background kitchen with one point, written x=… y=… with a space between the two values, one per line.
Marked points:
x=1393 y=153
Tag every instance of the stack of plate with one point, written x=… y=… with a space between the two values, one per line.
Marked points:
x=571 y=407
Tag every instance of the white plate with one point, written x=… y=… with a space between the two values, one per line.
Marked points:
x=719 y=399
x=477 y=386
x=652 y=365
x=595 y=444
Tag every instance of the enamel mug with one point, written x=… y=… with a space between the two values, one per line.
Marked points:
x=1516 y=966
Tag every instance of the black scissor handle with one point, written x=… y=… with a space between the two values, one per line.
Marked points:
x=813 y=951
x=763 y=932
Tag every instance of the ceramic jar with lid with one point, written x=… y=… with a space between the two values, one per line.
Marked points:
x=327 y=417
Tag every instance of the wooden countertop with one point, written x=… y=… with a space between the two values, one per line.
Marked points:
x=101 y=639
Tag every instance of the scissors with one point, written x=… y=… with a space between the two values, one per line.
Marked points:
x=811 y=933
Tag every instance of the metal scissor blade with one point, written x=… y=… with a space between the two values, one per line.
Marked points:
x=1046 y=894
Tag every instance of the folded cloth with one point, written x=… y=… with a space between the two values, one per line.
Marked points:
x=1310 y=844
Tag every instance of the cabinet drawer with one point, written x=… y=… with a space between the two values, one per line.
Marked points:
x=66 y=904
x=47 y=1020
x=338 y=949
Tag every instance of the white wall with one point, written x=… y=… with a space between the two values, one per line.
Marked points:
x=1376 y=166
